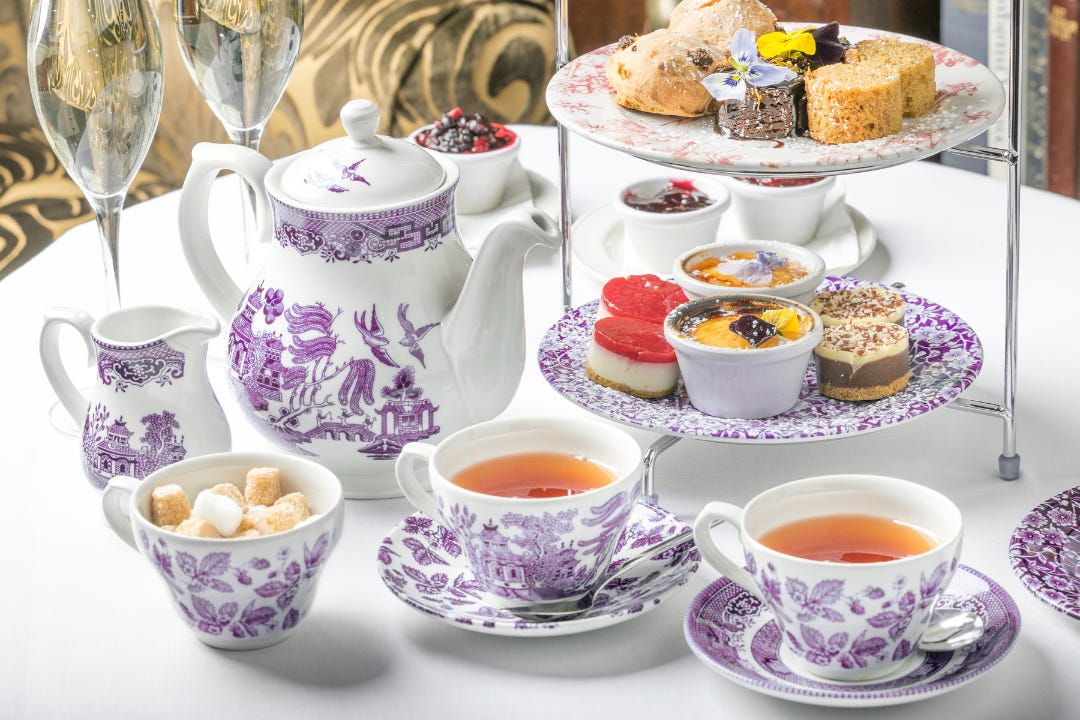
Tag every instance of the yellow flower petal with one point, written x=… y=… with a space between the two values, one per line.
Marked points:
x=774 y=44
x=786 y=321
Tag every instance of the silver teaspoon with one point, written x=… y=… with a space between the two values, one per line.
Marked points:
x=951 y=629
x=560 y=610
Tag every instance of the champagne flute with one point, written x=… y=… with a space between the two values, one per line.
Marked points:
x=95 y=77
x=241 y=53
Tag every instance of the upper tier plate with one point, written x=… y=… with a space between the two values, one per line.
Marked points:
x=969 y=99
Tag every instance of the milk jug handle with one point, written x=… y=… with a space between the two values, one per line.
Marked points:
x=207 y=160
x=49 y=349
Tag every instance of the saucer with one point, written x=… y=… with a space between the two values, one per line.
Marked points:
x=844 y=239
x=423 y=564
x=733 y=632
x=1044 y=551
x=524 y=189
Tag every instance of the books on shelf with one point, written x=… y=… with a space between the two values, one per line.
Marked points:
x=1062 y=128
x=1033 y=67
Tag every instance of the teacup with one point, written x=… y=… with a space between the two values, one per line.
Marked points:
x=845 y=621
x=234 y=593
x=529 y=549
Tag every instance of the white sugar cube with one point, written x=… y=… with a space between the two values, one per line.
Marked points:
x=220 y=511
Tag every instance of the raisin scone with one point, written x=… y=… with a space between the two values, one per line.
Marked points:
x=661 y=73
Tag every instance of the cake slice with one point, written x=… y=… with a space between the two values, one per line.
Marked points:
x=862 y=362
x=859 y=305
x=913 y=62
x=848 y=103
x=631 y=355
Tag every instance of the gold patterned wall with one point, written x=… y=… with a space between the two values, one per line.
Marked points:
x=416 y=58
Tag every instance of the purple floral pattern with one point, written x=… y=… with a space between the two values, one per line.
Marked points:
x=734 y=633
x=1044 y=551
x=123 y=366
x=424 y=564
x=969 y=98
x=830 y=625
x=946 y=357
x=107 y=448
x=225 y=593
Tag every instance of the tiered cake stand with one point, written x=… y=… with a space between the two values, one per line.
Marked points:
x=971 y=98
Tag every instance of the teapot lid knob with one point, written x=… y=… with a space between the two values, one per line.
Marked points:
x=361 y=119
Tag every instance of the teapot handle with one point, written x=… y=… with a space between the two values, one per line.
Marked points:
x=207 y=160
x=49 y=349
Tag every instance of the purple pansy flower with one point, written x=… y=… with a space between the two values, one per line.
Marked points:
x=756 y=272
x=747 y=69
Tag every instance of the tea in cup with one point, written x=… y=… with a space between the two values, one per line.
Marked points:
x=850 y=565
x=538 y=504
x=235 y=593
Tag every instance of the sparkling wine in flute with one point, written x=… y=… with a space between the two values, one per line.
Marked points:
x=240 y=54
x=95 y=77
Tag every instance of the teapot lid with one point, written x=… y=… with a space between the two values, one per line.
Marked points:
x=362 y=169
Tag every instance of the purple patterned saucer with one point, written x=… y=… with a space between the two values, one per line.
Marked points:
x=734 y=633
x=946 y=357
x=1044 y=551
x=423 y=564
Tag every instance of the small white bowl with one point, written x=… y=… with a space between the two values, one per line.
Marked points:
x=657 y=238
x=787 y=214
x=741 y=383
x=483 y=175
x=800 y=290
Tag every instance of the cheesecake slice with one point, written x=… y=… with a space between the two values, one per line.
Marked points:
x=645 y=297
x=865 y=304
x=631 y=355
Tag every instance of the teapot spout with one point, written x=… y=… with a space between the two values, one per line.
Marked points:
x=484 y=334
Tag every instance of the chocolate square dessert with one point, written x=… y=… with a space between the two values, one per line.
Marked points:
x=765 y=113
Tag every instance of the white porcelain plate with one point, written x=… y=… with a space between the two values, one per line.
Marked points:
x=423 y=563
x=733 y=632
x=844 y=239
x=946 y=356
x=969 y=99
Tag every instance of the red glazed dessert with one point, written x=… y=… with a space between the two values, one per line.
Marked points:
x=631 y=355
x=644 y=297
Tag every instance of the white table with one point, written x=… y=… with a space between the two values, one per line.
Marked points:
x=87 y=631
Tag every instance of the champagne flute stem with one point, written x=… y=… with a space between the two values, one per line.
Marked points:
x=107 y=215
x=250 y=139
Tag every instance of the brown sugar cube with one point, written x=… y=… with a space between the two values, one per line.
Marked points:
x=296 y=504
x=852 y=102
x=169 y=505
x=197 y=528
x=232 y=492
x=248 y=524
x=263 y=486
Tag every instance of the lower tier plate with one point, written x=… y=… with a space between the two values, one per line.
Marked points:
x=945 y=354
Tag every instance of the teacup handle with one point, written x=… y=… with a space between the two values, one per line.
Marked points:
x=49 y=349
x=207 y=160
x=405 y=469
x=116 y=503
x=722 y=512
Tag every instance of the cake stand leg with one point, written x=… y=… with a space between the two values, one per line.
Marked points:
x=648 y=466
x=562 y=56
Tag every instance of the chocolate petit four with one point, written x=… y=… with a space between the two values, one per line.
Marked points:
x=765 y=113
x=859 y=305
x=862 y=362
x=631 y=355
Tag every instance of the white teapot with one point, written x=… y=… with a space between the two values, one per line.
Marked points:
x=369 y=325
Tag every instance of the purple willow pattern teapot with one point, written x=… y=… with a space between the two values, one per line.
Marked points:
x=151 y=404
x=369 y=325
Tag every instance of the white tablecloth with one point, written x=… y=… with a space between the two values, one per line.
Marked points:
x=86 y=630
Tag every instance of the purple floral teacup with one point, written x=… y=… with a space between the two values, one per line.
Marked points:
x=529 y=549
x=843 y=617
x=234 y=593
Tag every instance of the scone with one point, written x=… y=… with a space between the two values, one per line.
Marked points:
x=860 y=305
x=862 y=362
x=914 y=62
x=661 y=73
x=717 y=21
x=848 y=103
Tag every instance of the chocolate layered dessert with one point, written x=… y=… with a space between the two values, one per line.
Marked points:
x=765 y=113
x=862 y=362
x=859 y=305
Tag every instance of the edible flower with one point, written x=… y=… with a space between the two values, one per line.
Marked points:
x=786 y=321
x=758 y=271
x=747 y=69
x=813 y=46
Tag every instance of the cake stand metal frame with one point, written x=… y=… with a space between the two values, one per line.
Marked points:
x=1009 y=459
